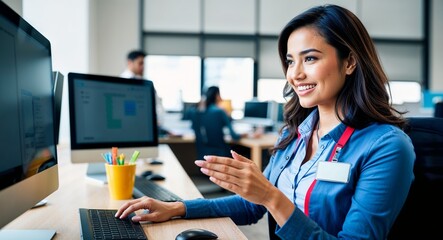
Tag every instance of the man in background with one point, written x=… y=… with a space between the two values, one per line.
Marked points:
x=135 y=69
x=135 y=64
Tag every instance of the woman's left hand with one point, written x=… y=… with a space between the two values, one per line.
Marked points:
x=239 y=175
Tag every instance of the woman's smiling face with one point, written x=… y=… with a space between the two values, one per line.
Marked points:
x=314 y=69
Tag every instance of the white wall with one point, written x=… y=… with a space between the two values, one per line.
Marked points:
x=117 y=33
x=87 y=36
x=15 y=4
x=66 y=24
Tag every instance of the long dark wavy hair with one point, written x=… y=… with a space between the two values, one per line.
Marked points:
x=364 y=98
x=211 y=95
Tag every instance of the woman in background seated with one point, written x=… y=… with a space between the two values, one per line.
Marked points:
x=342 y=166
x=208 y=122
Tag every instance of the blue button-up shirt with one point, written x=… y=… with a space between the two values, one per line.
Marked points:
x=381 y=158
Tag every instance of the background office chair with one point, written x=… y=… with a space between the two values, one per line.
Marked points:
x=209 y=140
x=425 y=201
x=438 y=109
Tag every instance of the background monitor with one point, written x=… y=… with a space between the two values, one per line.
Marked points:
x=188 y=107
x=258 y=113
x=28 y=168
x=106 y=112
x=278 y=117
x=57 y=78
x=430 y=98
x=280 y=111
x=256 y=109
x=438 y=109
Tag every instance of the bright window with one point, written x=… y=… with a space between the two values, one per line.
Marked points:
x=234 y=77
x=403 y=92
x=176 y=79
x=271 y=90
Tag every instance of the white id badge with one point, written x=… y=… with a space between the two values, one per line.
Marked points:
x=333 y=171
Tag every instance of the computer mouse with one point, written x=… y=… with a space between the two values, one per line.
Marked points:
x=196 y=233
x=146 y=173
x=155 y=177
x=155 y=162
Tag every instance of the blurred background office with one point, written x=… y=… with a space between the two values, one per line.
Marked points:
x=194 y=44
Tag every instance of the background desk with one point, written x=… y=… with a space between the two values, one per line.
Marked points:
x=75 y=191
x=184 y=148
x=258 y=145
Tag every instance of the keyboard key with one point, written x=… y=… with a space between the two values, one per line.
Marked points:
x=101 y=224
x=145 y=187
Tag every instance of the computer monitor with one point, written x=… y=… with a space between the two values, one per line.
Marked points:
x=57 y=78
x=258 y=113
x=106 y=112
x=28 y=167
x=188 y=107
x=256 y=109
x=280 y=111
x=278 y=117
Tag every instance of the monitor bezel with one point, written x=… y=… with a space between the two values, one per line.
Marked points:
x=58 y=80
x=90 y=152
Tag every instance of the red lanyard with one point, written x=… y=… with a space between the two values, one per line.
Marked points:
x=332 y=158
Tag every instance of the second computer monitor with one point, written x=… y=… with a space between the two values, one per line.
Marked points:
x=259 y=113
x=57 y=79
x=106 y=112
x=256 y=109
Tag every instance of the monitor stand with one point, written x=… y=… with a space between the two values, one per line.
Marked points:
x=41 y=203
x=97 y=173
x=32 y=234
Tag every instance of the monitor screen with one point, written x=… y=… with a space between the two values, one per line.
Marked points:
x=28 y=168
x=258 y=113
x=188 y=107
x=106 y=112
x=256 y=109
x=280 y=111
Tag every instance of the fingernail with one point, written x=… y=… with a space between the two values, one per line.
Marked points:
x=136 y=218
x=198 y=162
x=204 y=170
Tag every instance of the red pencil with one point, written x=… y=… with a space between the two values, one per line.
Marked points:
x=114 y=155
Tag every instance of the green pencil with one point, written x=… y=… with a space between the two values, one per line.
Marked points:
x=134 y=157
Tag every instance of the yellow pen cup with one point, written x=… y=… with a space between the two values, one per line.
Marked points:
x=120 y=180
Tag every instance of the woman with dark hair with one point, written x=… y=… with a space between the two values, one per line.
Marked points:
x=212 y=96
x=208 y=122
x=342 y=166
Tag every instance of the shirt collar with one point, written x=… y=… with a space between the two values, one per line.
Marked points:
x=309 y=124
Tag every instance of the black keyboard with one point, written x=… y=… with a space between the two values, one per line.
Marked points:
x=101 y=224
x=145 y=187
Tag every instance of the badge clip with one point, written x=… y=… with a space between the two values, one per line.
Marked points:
x=336 y=154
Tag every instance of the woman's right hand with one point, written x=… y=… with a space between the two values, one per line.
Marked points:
x=158 y=211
